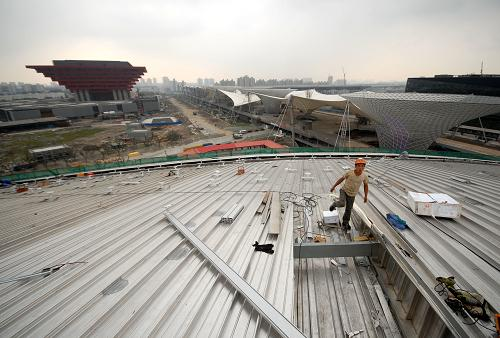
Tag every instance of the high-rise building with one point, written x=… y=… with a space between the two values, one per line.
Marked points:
x=208 y=82
x=228 y=82
x=245 y=81
x=94 y=80
x=199 y=81
x=330 y=80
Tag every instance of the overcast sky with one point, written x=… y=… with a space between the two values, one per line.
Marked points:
x=372 y=40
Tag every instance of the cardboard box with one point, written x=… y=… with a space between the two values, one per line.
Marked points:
x=330 y=217
x=434 y=204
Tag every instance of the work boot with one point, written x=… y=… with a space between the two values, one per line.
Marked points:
x=346 y=227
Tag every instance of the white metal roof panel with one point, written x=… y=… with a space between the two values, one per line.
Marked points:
x=129 y=272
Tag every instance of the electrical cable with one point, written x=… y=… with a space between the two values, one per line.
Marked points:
x=444 y=291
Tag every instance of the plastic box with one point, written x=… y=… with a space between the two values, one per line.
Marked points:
x=434 y=204
x=330 y=217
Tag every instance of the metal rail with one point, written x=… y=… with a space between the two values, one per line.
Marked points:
x=273 y=316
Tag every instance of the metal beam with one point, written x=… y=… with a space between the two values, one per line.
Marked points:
x=351 y=249
x=273 y=316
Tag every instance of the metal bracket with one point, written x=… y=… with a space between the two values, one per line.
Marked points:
x=351 y=249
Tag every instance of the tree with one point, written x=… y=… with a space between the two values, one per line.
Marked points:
x=157 y=138
x=87 y=151
x=173 y=136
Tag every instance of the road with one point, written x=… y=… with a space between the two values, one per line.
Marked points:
x=198 y=120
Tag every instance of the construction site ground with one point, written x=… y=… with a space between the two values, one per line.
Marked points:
x=201 y=120
x=90 y=139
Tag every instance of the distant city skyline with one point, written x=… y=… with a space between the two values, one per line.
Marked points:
x=371 y=41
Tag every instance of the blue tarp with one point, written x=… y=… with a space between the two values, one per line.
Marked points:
x=396 y=221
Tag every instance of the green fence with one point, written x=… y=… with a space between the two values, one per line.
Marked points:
x=261 y=151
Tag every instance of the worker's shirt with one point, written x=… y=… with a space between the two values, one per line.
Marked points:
x=353 y=182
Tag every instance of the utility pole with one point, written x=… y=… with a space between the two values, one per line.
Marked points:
x=481 y=68
x=292 y=122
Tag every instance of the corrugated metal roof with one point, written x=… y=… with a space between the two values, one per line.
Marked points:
x=127 y=271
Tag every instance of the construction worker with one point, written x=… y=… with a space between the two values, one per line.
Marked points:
x=353 y=180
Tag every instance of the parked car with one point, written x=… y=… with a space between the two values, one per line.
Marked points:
x=237 y=135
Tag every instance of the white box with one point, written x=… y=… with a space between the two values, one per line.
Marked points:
x=330 y=217
x=434 y=204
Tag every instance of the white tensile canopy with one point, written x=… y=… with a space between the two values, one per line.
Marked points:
x=240 y=99
x=272 y=104
x=310 y=100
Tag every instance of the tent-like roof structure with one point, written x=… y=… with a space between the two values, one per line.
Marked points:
x=304 y=100
x=310 y=100
x=240 y=99
x=272 y=104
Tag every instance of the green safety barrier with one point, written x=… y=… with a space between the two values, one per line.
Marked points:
x=257 y=151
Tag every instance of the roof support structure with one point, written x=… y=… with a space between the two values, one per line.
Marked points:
x=352 y=249
x=273 y=316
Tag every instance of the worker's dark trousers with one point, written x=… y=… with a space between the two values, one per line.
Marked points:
x=347 y=202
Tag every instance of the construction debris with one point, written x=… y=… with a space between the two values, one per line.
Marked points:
x=319 y=238
x=241 y=170
x=307 y=177
x=261 y=207
x=266 y=212
x=261 y=178
x=267 y=248
x=232 y=213
x=275 y=218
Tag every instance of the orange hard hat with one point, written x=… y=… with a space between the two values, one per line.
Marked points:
x=360 y=161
